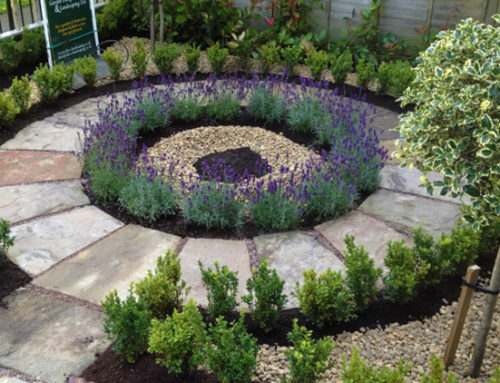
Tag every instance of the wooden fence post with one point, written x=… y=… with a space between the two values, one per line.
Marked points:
x=460 y=315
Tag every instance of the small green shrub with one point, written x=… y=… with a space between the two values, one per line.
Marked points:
x=308 y=116
x=114 y=61
x=222 y=286
x=230 y=351
x=164 y=57
x=212 y=204
x=139 y=59
x=265 y=296
x=357 y=370
x=127 y=324
x=114 y=17
x=275 y=210
x=148 y=199
x=394 y=77
x=192 y=53
x=292 y=56
x=365 y=72
x=496 y=376
x=317 y=61
x=87 y=68
x=107 y=181
x=406 y=272
x=216 y=57
x=8 y=108
x=341 y=65
x=266 y=106
x=32 y=45
x=325 y=299
x=187 y=109
x=361 y=274
x=54 y=82
x=163 y=291
x=10 y=55
x=308 y=358
x=459 y=250
x=269 y=57
x=224 y=108
x=20 y=91
x=424 y=252
x=242 y=47
x=6 y=237
x=179 y=340
x=436 y=374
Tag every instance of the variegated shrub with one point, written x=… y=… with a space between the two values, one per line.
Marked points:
x=454 y=128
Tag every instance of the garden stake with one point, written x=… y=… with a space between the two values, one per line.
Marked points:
x=458 y=322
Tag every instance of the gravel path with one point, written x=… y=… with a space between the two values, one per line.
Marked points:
x=415 y=342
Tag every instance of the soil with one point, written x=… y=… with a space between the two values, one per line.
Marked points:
x=11 y=277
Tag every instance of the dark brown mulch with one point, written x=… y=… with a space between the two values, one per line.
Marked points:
x=11 y=277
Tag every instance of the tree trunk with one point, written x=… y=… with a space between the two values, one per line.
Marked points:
x=152 y=26
x=482 y=335
x=162 y=21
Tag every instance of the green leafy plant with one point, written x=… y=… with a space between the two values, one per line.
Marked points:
x=107 y=180
x=269 y=56
x=341 y=65
x=365 y=72
x=266 y=106
x=192 y=53
x=222 y=286
x=32 y=45
x=459 y=250
x=87 y=68
x=187 y=109
x=436 y=374
x=224 y=108
x=361 y=274
x=54 y=82
x=216 y=57
x=308 y=358
x=164 y=56
x=149 y=115
x=265 y=296
x=114 y=61
x=308 y=116
x=20 y=91
x=10 y=55
x=453 y=128
x=317 y=61
x=425 y=252
x=242 y=46
x=114 y=17
x=406 y=272
x=357 y=370
x=292 y=56
x=163 y=291
x=148 y=199
x=6 y=237
x=230 y=351
x=127 y=324
x=394 y=77
x=326 y=298
x=8 y=108
x=496 y=376
x=179 y=340
x=139 y=59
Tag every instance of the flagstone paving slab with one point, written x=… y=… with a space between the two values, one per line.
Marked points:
x=43 y=242
x=407 y=211
x=109 y=264
x=230 y=253
x=384 y=121
x=18 y=167
x=10 y=379
x=368 y=231
x=46 y=135
x=408 y=181
x=77 y=114
x=47 y=338
x=291 y=254
x=21 y=202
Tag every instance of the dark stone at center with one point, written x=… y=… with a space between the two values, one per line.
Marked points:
x=231 y=164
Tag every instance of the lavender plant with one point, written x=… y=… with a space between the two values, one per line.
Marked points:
x=266 y=106
x=223 y=108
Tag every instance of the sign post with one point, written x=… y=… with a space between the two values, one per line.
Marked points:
x=70 y=29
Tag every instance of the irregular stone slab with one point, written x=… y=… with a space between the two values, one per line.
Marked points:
x=21 y=202
x=384 y=121
x=408 y=211
x=76 y=115
x=47 y=338
x=43 y=242
x=45 y=135
x=370 y=232
x=112 y=263
x=291 y=254
x=10 y=379
x=408 y=181
x=233 y=254
x=18 y=167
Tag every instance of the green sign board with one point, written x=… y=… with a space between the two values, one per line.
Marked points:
x=70 y=29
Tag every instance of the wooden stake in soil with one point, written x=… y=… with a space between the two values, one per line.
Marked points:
x=459 y=320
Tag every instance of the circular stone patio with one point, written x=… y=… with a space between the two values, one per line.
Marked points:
x=77 y=254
